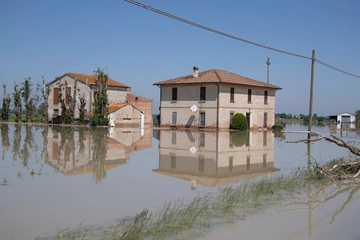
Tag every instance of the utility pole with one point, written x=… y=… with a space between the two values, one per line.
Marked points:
x=311 y=93
x=268 y=69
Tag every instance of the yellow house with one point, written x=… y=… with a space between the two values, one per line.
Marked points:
x=211 y=98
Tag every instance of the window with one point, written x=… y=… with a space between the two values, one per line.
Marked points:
x=231 y=164
x=231 y=117
x=202 y=119
x=248 y=139
x=173 y=137
x=265 y=120
x=264 y=160
x=136 y=98
x=56 y=96
x=173 y=160
x=56 y=111
x=174 y=94
x=232 y=93
x=248 y=162
x=202 y=93
x=249 y=95
x=174 y=118
x=68 y=95
x=266 y=97
x=265 y=138
x=202 y=139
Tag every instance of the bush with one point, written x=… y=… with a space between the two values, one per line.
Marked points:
x=239 y=122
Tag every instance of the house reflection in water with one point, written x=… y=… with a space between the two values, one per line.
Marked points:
x=215 y=158
x=79 y=151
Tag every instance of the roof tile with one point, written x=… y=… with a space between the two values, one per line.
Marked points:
x=90 y=79
x=217 y=76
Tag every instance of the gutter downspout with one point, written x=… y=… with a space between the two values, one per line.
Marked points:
x=160 y=104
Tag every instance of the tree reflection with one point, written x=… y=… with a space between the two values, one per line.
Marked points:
x=16 y=142
x=5 y=139
x=100 y=145
x=29 y=145
x=66 y=146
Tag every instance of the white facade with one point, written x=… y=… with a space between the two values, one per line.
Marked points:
x=346 y=121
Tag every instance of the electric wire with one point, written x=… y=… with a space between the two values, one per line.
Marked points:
x=232 y=36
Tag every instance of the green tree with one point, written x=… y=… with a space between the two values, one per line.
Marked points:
x=30 y=100
x=357 y=117
x=321 y=118
x=289 y=116
x=283 y=115
x=82 y=109
x=100 y=103
x=65 y=116
x=17 y=103
x=6 y=105
x=239 y=122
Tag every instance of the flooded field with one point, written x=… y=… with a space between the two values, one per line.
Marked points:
x=56 y=178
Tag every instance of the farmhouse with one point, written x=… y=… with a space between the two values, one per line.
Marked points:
x=210 y=99
x=118 y=95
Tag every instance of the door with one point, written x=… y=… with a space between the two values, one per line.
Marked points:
x=202 y=119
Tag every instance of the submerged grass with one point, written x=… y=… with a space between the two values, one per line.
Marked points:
x=185 y=220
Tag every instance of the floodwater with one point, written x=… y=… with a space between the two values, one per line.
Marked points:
x=55 y=178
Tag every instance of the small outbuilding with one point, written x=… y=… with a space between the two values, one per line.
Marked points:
x=125 y=115
x=344 y=120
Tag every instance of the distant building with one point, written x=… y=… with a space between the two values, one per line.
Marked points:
x=118 y=94
x=344 y=120
x=211 y=98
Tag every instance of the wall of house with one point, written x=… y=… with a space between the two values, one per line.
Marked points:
x=126 y=116
x=143 y=104
x=117 y=95
x=83 y=90
x=188 y=96
x=256 y=108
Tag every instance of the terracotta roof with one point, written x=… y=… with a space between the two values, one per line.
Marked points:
x=116 y=106
x=217 y=76
x=91 y=81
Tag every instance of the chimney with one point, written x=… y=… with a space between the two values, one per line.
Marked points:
x=196 y=71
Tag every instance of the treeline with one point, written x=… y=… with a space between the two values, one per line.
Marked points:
x=304 y=117
x=25 y=98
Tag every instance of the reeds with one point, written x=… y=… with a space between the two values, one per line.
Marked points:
x=179 y=219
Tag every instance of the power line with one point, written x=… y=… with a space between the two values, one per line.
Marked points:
x=337 y=69
x=231 y=36
x=211 y=29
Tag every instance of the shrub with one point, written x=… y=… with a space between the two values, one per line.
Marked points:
x=239 y=122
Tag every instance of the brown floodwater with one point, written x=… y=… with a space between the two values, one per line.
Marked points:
x=55 y=178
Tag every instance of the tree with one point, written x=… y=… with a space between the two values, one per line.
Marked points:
x=239 y=122
x=29 y=100
x=82 y=109
x=100 y=103
x=17 y=103
x=45 y=92
x=6 y=105
x=357 y=117
x=65 y=116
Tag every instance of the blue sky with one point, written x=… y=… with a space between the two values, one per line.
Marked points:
x=138 y=47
